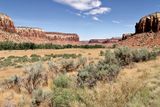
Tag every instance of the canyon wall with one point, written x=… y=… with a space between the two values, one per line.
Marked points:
x=30 y=34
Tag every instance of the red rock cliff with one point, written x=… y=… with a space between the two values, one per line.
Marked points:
x=6 y=23
x=150 y=23
x=56 y=36
x=30 y=32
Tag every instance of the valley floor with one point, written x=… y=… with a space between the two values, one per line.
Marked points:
x=144 y=76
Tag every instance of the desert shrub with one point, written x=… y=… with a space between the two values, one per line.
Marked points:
x=7 y=62
x=102 y=53
x=67 y=66
x=87 y=76
x=34 y=77
x=62 y=81
x=62 y=97
x=35 y=58
x=106 y=69
x=123 y=55
x=11 y=82
x=141 y=55
x=22 y=59
x=53 y=69
x=115 y=45
x=40 y=97
x=81 y=62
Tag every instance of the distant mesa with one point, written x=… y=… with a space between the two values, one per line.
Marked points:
x=31 y=34
x=105 y=41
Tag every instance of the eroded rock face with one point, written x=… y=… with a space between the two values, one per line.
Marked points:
x=56 y=36
x=150 y=23
x=6 y=24
x=30 y=32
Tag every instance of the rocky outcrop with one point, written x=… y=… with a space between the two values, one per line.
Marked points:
x=150 y=23
x=104 y=41
x=30 y=32
x=147 y=32
x=127 y=35
x=56 y=36
x=6 y=24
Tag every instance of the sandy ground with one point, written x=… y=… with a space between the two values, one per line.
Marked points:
x=11 y=71
x=84 y=52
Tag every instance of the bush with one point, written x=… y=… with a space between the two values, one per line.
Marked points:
x=87 y=76
x=140 y=55
x=40 y=96
x=34 y=77
x=124 y=55
x=62 y=97
x=101 y=53
x=62 y=81
x=67 y=66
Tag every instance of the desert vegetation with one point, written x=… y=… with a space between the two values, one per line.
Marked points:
x=18 y=61
x=8 y=45
x=79 y=82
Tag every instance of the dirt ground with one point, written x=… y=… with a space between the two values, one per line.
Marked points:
x=11 y=71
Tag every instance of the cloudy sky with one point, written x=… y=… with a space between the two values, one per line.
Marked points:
x=88 y=18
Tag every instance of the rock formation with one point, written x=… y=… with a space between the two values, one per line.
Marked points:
x=111 y=40
x=147 y=32
x=150 y=23
x=56 y=36
x=6 y=24
x=30 y=34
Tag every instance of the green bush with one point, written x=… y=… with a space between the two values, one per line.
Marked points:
x=40 y=96
x=62 y=97
x=8 y=45
x=123 y=55
x=87 y=76
x=62 y=81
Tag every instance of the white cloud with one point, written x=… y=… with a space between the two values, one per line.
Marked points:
x=96 y=19
x=100 y=10
x=78 y=14
x=86 y=7
x=116 y=22
x=81 y=5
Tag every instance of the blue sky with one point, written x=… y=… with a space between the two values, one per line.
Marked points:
x=88 y=18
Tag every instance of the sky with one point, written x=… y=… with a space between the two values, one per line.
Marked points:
x=88 y=18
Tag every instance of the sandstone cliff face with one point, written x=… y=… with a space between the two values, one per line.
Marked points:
x=56 y=36
x=150 y=23
x=30 y=32
x=6 y=23
x=147 y=33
